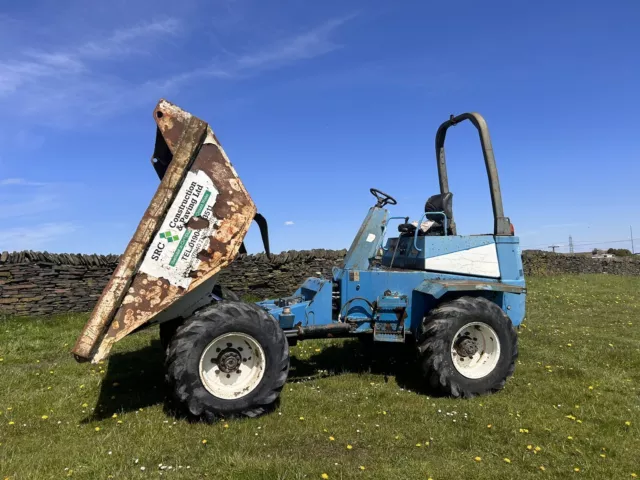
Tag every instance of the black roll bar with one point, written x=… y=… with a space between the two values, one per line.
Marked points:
x=501 y=224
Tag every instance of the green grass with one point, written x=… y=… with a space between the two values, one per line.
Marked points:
x=577 y=377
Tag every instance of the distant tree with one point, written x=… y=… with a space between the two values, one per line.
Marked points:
x=594 y=251
x=620 y=252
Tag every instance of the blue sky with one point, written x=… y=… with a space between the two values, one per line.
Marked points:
x=316 y=102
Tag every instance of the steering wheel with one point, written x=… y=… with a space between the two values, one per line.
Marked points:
x=383 y=198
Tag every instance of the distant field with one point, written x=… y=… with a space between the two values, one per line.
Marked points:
x=572 y=410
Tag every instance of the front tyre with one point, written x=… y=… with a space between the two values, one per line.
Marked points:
x=229 y=360
x=468 y=347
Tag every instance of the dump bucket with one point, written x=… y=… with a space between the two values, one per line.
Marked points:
x=193 y=227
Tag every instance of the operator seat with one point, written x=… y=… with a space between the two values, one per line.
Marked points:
x=442 y=202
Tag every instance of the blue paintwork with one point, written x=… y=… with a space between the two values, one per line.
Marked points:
x=429 y=246
x=392 y=302
x=310 y=304
x=367 y=240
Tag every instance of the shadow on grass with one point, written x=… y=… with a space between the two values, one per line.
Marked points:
x=135 y=379
x=395 y=360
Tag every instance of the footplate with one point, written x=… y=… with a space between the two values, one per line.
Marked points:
x=389 y=319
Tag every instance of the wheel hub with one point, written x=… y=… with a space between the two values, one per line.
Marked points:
x=232 y=365
x=228 y=361
x=466 y=347
x=475 y=350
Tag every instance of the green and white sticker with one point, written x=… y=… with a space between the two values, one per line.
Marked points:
x=174 y=250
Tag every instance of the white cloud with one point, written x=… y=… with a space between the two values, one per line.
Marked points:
x=304 y=46
x=21 y=198
x=70 y=85
x=35 y=237
x=312 y=43
x=288 y=222
x=20 y=182
x=36 y=66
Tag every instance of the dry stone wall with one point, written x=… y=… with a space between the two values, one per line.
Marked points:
x=39 y=284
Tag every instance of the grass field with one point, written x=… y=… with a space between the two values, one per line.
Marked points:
x=572 y=410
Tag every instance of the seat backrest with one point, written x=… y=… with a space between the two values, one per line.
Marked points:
x=440 y=203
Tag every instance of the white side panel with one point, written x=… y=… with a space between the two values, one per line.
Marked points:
x=481 y=261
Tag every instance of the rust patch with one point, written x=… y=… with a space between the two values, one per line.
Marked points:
x=197 y=223
x=172 y=122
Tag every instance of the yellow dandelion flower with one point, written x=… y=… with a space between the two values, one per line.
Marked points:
x=119 y=422
x=349 y=447
x=418 y=444
x=633 y=475
x=569 y=345
x=529 y=447
x=44 y=417
x=569 y=437
x=226 y=425
x=489 y=426
x=537 y=449
x=331 y=439
x=590 y=387
x=576 y=469
x=579 y=421
x=204 y=441
x=84 y=405
x=12 y=423
x=542 y=468
x=478 y=459
x=397 y=437
x=603 y=455
x=506 y=460
x=627 y=423
x=97 y=429
x=301 y=419
x=384 y=412
x=324 y=476
x=362 y=467
x=115 y=415
x=317 y=349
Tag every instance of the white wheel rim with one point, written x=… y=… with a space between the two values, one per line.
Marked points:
x=475 y=350
x=232 y=365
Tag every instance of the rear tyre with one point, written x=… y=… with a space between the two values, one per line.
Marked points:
x=228 y=360
x=468 y=347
